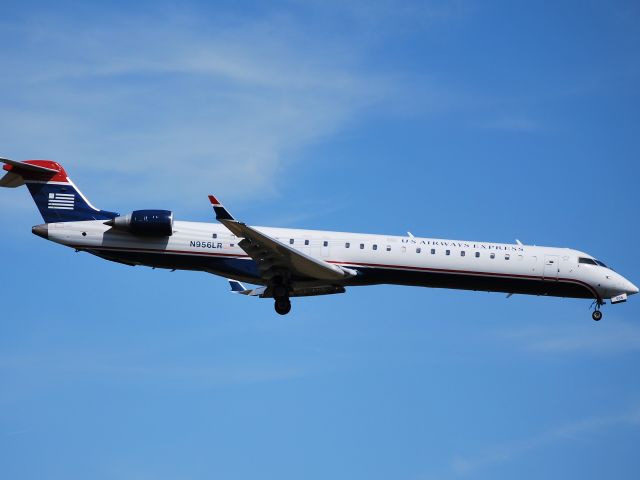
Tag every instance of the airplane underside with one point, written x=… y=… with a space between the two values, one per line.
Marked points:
x=246 y=270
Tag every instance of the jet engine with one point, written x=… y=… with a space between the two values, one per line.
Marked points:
x=149 y=223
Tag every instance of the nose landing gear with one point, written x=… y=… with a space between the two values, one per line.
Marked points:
x=597 y=314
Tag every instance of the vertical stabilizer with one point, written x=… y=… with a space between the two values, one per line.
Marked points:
x=56 y=196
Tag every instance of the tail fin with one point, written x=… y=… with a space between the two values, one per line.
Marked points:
x=56 y=196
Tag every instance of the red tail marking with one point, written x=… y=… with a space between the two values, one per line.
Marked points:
x=61 y=176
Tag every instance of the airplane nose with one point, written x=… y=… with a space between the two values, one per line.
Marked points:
x=41 y=230
x=631 y=288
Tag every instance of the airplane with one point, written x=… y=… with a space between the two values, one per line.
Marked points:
x=287 y=263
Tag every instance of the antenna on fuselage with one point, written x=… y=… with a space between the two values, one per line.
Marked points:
x=519 y=242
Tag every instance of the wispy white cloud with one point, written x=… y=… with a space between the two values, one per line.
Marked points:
x=575 y=431
x=618 y=337
x=57 y=366
x=175 y=100
x=179 y=102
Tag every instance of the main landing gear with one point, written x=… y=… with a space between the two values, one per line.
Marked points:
x=281 y=296
x=283 y=305
x=597 y=314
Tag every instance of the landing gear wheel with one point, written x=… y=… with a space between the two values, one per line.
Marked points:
x=283 y=306
x=596 y=315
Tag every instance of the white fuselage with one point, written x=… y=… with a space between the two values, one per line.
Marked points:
x=377 y=258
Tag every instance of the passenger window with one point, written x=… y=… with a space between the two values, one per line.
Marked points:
x=325 y=244
x=462 y=253
x=477 y=254
x=362 y=246
x=507 y=256
x=418 y=250
x=433 y=251
x=346 y=245
x=375 y=247
x=215 y=235
x=306 y=242
x=493 y=255
x=447 y=252
x=291 y=241
x=388 y=248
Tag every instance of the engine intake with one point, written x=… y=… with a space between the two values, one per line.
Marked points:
x=150 y=223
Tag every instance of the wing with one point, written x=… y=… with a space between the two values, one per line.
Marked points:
x=272 y=256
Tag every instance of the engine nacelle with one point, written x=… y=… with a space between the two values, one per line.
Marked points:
x=150 y=223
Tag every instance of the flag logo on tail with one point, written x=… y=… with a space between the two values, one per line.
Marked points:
x=61 y=201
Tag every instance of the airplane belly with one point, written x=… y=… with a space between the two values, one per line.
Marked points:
x=226 y=266
x=487 y=282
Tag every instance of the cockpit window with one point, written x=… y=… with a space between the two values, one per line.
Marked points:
x=588 y=261
x=591 y=261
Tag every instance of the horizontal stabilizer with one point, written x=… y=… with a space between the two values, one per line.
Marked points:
x=11 y=180
x=16 y=171
x=26 y=166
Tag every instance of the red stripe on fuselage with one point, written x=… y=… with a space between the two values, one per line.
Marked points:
x=370 y=265
x=469 y=272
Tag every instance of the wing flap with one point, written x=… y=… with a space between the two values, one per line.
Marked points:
x=297 y=291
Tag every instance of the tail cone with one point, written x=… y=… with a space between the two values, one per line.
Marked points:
x=41 y=230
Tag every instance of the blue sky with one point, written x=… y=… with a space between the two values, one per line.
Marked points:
x=463 y=119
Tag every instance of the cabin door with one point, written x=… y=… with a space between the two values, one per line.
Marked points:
x=551 y=267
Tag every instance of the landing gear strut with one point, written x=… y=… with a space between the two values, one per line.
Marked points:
x=597 y=314
x=281 y=295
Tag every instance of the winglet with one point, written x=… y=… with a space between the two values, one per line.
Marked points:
x=236 y=286
x=221 y=212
